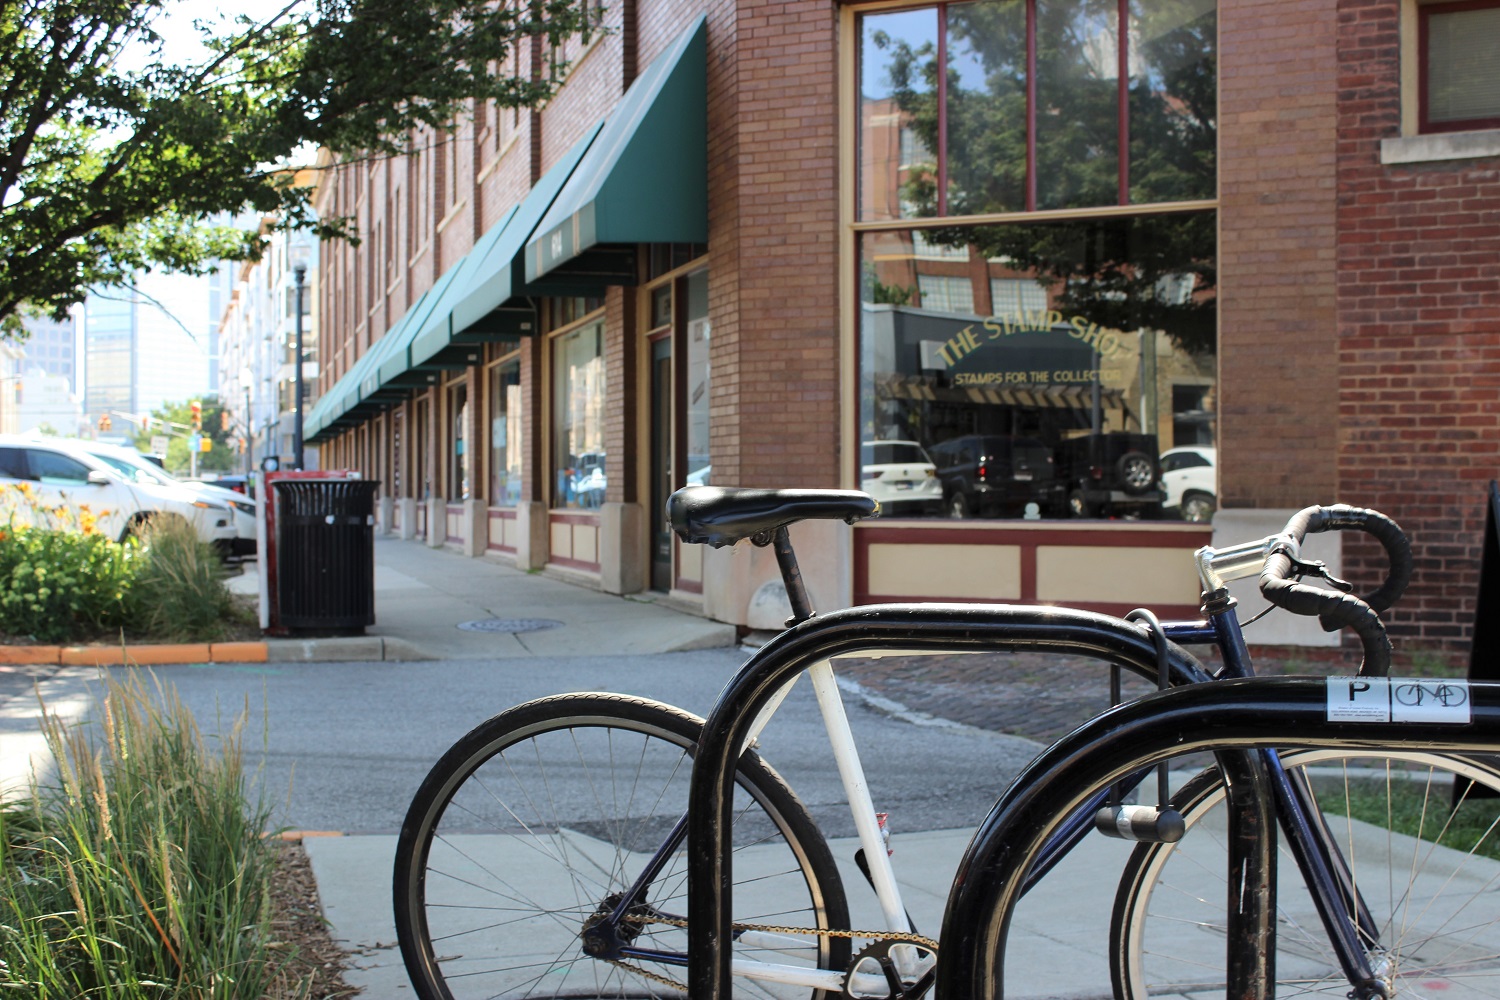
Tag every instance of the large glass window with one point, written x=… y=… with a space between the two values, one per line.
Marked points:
x=578 y=398
x=1094 y=354
x=1029 y=366
x=698 y=394
x=506 y=425
x=459 y=467
x=1043 y=104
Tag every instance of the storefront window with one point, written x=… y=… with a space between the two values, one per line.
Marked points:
x=506 y=424
x=1038 y=100
x=578 y=397
x=1089 y=351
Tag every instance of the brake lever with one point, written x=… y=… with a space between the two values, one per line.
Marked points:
x=1319 y=569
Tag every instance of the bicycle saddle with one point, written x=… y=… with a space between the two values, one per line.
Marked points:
x=721 y=515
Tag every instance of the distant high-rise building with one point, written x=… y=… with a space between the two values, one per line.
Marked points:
x=152 y=343
x=109 y=337
x=49 y=346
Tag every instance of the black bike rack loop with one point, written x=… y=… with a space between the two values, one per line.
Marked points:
x=1242 y=714
x=919 y=628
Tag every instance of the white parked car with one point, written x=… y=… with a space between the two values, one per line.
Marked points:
x=136 y=467
x=59 y=474
x=1190 y=477
x=901 y=476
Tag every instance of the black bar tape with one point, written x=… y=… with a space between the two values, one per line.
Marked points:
x=1337 y=610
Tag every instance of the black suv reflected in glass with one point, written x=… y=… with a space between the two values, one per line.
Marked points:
x=987 y=475
x=1111 y=475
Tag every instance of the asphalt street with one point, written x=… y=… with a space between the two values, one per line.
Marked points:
x=343 y=746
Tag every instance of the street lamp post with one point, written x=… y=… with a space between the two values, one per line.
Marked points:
x=249 y=421
x=299 y=272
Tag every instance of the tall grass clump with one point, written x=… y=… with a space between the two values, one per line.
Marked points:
x=142 y=872
x=179 y=593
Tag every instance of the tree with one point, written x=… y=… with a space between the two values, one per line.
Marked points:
x=1146 y=271
x=175 y=421
x=114 y=159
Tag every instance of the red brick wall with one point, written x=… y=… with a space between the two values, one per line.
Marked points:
x=1419 y=334
x=775 y=417
x=1278 y=352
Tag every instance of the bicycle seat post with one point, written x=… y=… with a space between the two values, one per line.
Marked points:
x=791 y=576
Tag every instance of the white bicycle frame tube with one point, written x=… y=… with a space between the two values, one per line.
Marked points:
x=841 y=739
x=862 y=808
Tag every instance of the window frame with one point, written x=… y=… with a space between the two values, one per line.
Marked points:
x=857 y=226
x=1425 y=125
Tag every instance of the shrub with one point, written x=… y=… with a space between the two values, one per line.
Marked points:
x=63 y=581
x=179 y=592
x=144 y=872
x=59 y=577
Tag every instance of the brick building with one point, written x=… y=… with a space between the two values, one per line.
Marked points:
x=771 y=245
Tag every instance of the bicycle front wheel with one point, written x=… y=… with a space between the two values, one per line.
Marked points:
x=1419 y=834
x=535 y=824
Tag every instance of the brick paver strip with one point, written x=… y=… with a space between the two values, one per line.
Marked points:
x=1041 y=696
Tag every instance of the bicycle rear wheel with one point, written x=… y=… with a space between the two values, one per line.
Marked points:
x=540 y=818
x=1426 y=870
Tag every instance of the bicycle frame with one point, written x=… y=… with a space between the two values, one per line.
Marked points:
x=884 y=627
x=956 y=626
x=1249 y=714
x=1259 y=788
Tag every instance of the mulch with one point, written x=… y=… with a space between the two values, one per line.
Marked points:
x=311 y=963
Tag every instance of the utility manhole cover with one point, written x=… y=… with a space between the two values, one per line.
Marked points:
x=510 y=625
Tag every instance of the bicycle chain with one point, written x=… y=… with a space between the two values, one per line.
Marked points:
x=916 y=939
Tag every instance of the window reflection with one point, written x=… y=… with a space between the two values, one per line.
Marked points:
x=506 y=423
x=1078 y=100
x=986 y=136
x=1087 y=348
x=578 y=417
x=895 y=158
x=1173 y=100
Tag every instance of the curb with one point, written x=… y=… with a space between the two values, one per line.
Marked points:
x=150 y=654
x=275 y=651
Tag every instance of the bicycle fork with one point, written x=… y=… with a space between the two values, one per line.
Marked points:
x=1256 y=790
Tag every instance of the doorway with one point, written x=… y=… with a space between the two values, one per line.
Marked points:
x=662 y=397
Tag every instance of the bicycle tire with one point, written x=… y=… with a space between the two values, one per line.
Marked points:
x=528 y=823
x=1435 y=898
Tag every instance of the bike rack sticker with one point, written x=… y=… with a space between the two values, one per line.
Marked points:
x=1398 y=699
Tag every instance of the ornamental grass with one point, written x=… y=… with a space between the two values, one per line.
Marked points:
x=143 y=871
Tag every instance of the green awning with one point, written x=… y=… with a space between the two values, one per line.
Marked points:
x=437 y=332
x=397 y=360
x=643 y=180
x=494 y=303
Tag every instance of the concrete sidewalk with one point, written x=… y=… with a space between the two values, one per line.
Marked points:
x=1057 y=936
x=423 y=596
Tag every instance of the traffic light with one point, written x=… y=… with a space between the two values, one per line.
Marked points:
x=224 y=421
x=105 y=423
x=197 y=411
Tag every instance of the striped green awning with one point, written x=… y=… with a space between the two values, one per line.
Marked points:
x=494 y=302
x=643 y=180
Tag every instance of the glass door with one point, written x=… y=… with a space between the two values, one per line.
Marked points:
x=663 y=393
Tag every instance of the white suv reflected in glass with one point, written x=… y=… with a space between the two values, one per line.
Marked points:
x=1190 y=477
x=900 y=474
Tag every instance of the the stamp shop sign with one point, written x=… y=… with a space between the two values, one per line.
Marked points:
x=1030 y=349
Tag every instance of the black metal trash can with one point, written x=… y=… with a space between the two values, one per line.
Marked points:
x=325 y=553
